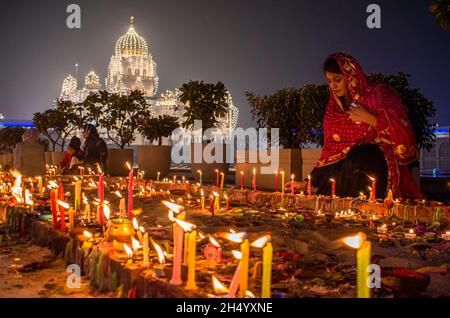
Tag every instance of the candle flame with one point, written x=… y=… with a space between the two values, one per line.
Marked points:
x=107 y=211
x=292 y=176
x=309 y=177
x=236 y=254
x=87 y=234
x=249 y=294
x=63 y=204
x=128 y=165
x=261 y=242
x=235 y=237
x=28 y=197
x=142 y=229
x=187 y=227
x=173 y=207
x=371 y=178
x=135 y=243
x=117 y=193
x=128 y=250
x=219 y=288
x=135 y=224
x=355 y=241
x=171 y=217
x=199 y=171
x=160 y=252
x=242 y=172
x=411 y=231
x=332 y=180
x=213 y=241
x=215 y=194
x=201 y=193
x=254 y=170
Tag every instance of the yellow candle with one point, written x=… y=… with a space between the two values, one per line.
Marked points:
x=245 y=250
x=41 y=187
x=267 y=271
x=146 y=261
x=186 y=248
x=222 y=180
x=77 y=195
x=122 y=207
x=363 y=255
x=71 y=221
x=190 y=285
x=216 y=203
x=87 y=213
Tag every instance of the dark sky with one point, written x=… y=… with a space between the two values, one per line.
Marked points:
x=250 y=45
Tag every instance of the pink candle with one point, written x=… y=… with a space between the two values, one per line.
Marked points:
x=333 y=188
x=242 y=180
x=62 y=214
x=309 y=185
x=178 y=238
x=276 y=181
x=130 y=193
x=53 y=205
x=234 y=285
x=101 y=197
x=254 y=179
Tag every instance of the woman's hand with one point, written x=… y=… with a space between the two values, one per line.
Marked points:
x=298 y=186
x=359 y=114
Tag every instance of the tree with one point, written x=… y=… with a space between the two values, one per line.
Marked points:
x=297 y=113
x=205 y=102
x=155 y=128
x=44 y=123
x=441 y=10
x=120 y=115
x=9 y=138
x=418 y=107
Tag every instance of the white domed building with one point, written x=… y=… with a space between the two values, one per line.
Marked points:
x=132 y=67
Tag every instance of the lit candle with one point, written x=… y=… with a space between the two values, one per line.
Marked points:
x=62 y=214
x=146 y=261
x=157 y=176
x=373 y=193
x=227 y=202
x=178 y=234
x=216 y=202
x=245 y=250
x=77 y=195
x=411 y=235
x=81 y=170
x=333 y=188
x=211 y=205
x=254 y=179
x=282 y=183
x=217 y=178
x=446 y=236
x=40 y=187
x=191 y=285
x=292 y=185
x=122 y=207
x=54 y=207
x=363 y=256
x=101 y=196
x=185 y=248
x=266 y=244
x=71 y=220
x=309 y=185
x=222 y=182
x=187 y=188
x=202 y=200
x=236 y=277
x=87 y=213
x=276 y=181
x=130 y=191
x=242 y=180
x=200 y=177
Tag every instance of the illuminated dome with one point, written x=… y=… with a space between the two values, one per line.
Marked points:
x=131 y=44
x=91 y=79
x=69 y=88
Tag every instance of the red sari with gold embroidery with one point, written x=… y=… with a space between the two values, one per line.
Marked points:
x=393 y=134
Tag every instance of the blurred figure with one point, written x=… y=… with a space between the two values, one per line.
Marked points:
x=29 y=156
x=72 y=158
x=94 y=148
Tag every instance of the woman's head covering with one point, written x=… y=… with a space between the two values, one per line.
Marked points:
x=75 y=143
x=31 y=134
x=90 y=131
x=354 y=76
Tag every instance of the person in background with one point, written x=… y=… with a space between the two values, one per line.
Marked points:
x=73 y=156
x=90 y=146
x=29 y=156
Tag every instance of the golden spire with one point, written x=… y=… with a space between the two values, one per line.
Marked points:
x=132 y=21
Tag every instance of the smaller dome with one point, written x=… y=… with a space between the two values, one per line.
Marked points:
x=69 y=85
x=131 y=44
x=91 y=79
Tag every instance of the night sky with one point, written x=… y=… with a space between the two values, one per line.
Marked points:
x=249 y=45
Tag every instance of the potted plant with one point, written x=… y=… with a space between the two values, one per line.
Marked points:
x=208 y=103
x=118 y=115
x=155 y=158
x=298 y=114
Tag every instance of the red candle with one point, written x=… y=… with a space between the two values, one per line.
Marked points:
x=242 y=180
x=101 y=196
x=53 y=205
x=276 y=181
x=217 y=178
x=309 y=185
x=333 y=188
x=130 y=192
x=62 y=214
x=254 y=179
x=187 y=187
x=227 y=202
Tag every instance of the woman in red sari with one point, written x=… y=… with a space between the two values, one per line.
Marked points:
x=367 y=133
